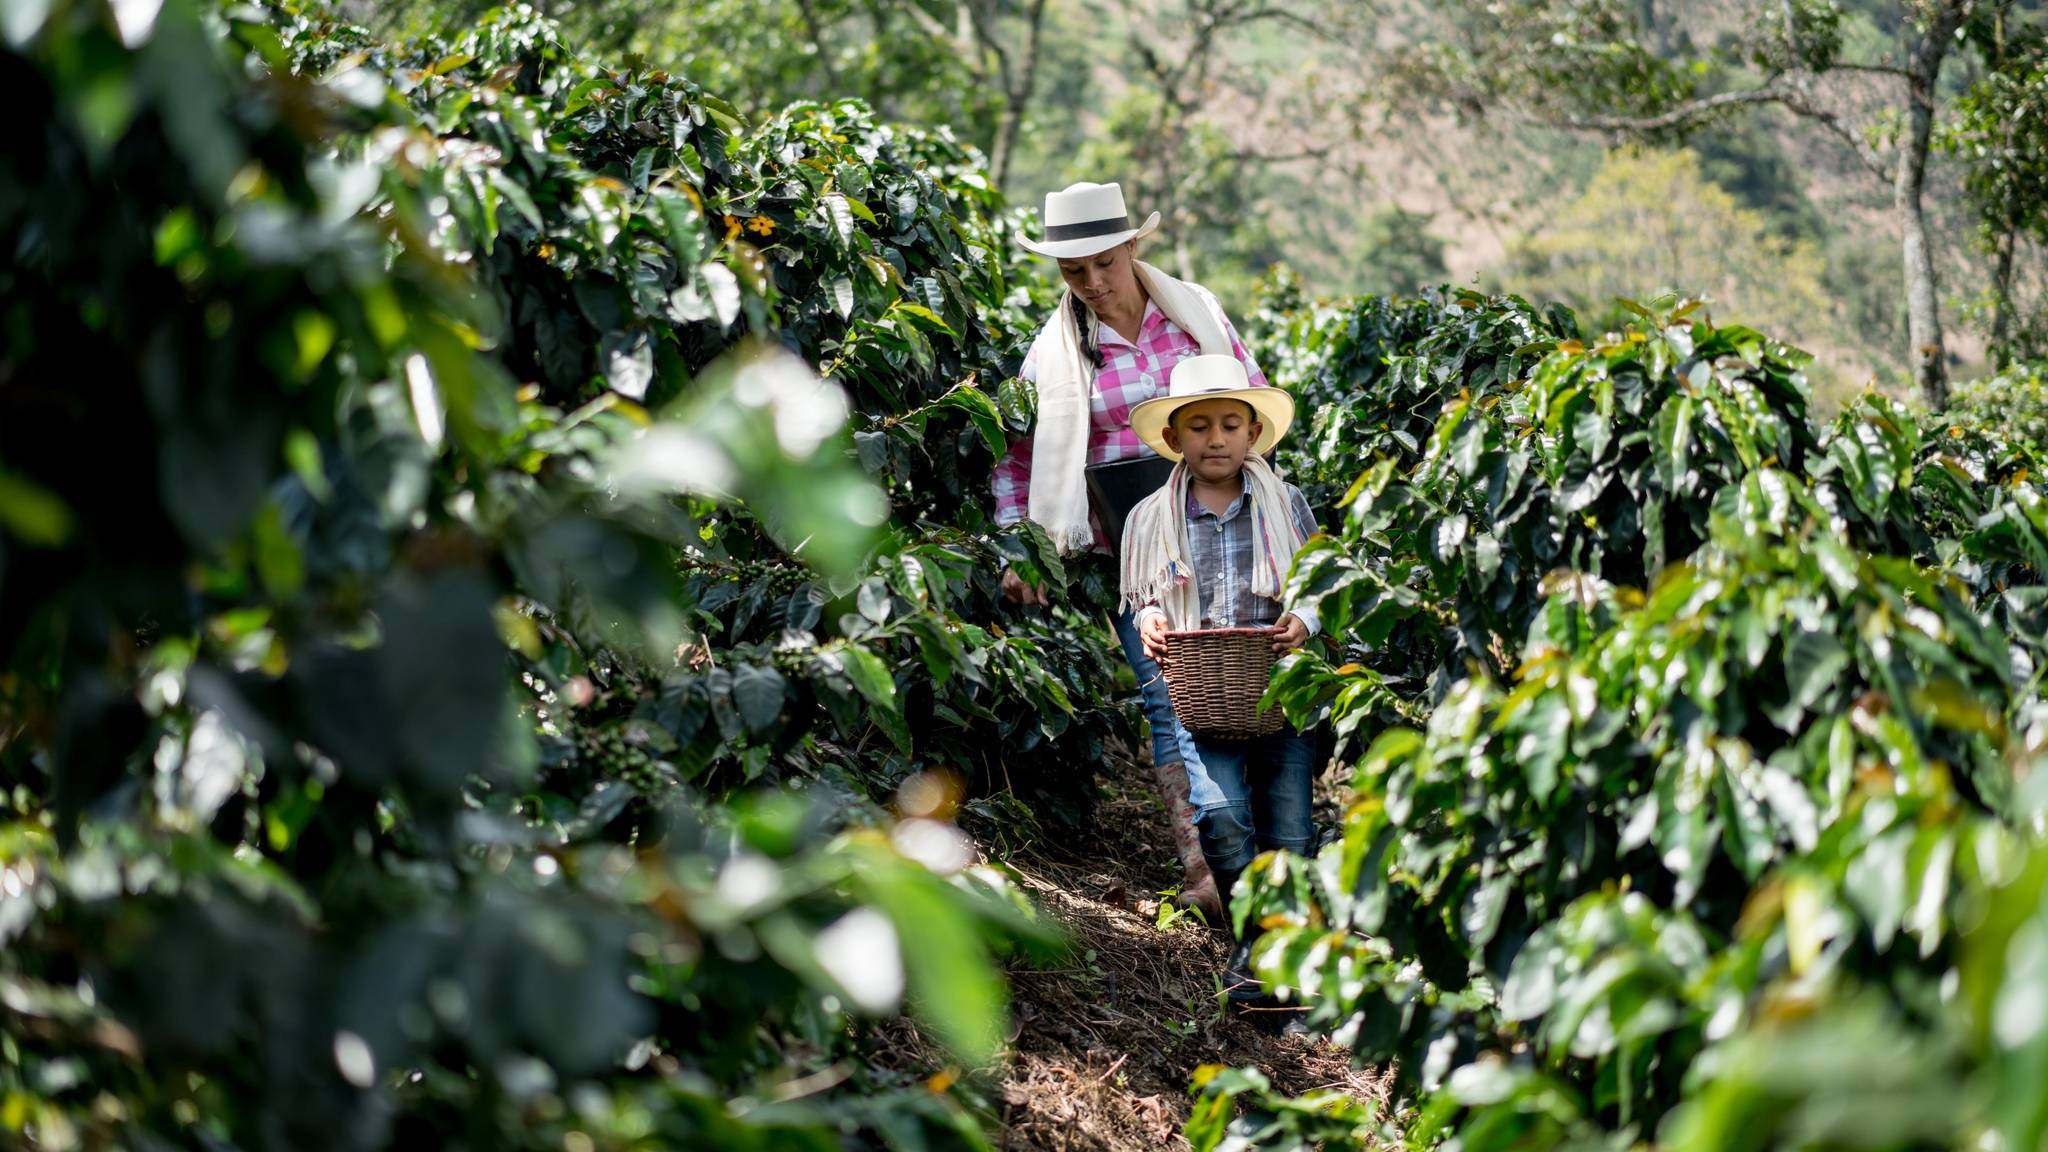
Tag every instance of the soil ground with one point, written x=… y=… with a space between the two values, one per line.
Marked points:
x=1101 y=1052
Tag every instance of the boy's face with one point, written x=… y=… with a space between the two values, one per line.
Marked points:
x=1214 y=435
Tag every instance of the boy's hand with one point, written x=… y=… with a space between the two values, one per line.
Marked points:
x=1289 y=634
x=1152 y=631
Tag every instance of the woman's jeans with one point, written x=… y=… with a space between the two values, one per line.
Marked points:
x=1170 y=742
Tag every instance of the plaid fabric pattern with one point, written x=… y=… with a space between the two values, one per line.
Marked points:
x=1220 y=549
x=1130 y=375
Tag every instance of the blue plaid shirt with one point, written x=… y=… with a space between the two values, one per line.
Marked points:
x=1220 y=549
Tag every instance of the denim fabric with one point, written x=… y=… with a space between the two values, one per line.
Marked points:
x=1171 y=743
x=1252 y=796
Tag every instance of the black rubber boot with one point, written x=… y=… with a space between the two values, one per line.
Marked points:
x=1238 y=982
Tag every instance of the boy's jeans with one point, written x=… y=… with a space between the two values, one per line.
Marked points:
x=1252 y=796
x=1171 y=743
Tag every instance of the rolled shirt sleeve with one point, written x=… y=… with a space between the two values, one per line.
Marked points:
x=1012 y=481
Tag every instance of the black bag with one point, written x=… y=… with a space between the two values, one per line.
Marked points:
x=1115 y=489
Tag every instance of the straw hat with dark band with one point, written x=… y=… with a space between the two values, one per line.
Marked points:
x=1212 y=378
x=1083 y=219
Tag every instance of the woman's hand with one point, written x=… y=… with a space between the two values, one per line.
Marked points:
x=1289 y=634
x=1017 y=591
x=1152 y=633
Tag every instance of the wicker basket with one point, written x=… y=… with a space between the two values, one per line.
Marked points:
x=1216 y=676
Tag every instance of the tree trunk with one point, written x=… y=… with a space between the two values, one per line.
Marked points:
x=2001 y=298
x=1923 y=301
x=821 y=46
x=1017 y=99
x=1006 y=140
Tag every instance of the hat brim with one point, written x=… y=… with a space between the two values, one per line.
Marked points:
x=1275 y=409
x=1076 y=249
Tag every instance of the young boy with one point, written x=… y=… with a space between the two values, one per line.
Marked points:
x=1211 y=550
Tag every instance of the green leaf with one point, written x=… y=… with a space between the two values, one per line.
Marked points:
x=1813 y=661
x=869 y=675
x=758 y=691
x=874 y=600
x=859 y=209
x=982 y=411
x=279 y=563
x=516 y=195
x=629 y=363
x=954 y=987
x=839 y=215
x=918 y=311
x=32 y=513
x=725 y=291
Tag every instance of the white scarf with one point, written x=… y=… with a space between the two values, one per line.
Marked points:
x=1155 y=566
x=1059 y=448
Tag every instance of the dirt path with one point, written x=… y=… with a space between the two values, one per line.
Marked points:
x=1102 y=1051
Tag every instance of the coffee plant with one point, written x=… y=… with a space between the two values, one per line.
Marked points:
x=1717 y=823
x=2012 y=403
x=629 y=233
x=443 y=486
x=1369 y=380
x=1597 y=459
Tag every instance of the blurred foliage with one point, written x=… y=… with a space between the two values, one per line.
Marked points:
x=1652 y=221
x=1871 y=82
x=1753 y=164
x=1224 y=233
x=451 y=522
x=1402 y=256
x=2000 y=133
x=2012 y=404
x=1289 y=131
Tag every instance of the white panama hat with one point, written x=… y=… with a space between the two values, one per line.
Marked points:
x=1083 y=219
x=1213 y=378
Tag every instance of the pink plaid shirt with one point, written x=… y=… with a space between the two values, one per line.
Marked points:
x=1130 y=375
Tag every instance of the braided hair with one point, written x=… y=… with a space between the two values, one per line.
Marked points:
x=1084 y=322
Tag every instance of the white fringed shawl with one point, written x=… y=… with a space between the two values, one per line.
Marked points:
x=1155 y=565
x=1059 y=450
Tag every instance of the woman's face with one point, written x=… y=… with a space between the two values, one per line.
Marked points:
x=1105 y=282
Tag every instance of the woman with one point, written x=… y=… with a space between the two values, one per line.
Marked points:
x=1120 y=328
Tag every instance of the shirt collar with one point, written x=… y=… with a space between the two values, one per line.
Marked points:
x=1104 y=334
x=1198 y=510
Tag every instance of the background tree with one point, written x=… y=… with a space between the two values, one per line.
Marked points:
x=999 y=41
x=1199 y=132
x=1650 y=222
x=2000 y=133
x=1630 y=69
x=1399 y=255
